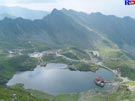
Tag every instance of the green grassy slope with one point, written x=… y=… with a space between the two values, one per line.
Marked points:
x=115 y=57
x=10 y=65
x=17 y=93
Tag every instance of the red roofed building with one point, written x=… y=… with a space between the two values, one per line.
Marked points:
x=100 y=81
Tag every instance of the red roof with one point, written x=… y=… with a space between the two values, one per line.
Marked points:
x=100 y=79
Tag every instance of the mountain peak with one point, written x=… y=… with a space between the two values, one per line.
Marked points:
x=64 y=9
x=97 y=14
x=128 y=18
x=55 y=10
x=7 y=18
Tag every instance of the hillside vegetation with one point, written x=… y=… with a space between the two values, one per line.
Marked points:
x=9 y=66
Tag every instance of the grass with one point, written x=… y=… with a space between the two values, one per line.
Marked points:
x=121 y=95
x=39 y=94
x=81 y=66
x=67 y=97
x=17 y=94
x=71 y=55
x=54 y=59
x=9 y=66
x=117 y=58
x=132 y=83
x=75 y=53
x=117 y=79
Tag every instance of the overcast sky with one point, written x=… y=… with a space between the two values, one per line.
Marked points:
x=113 y=7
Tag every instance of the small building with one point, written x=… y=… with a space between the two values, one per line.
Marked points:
x=118 y=70
x=11 y=52
x=51 y=53
x=100 y=81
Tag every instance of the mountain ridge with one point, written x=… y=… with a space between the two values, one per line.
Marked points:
x=15 y=11
x=68 y=27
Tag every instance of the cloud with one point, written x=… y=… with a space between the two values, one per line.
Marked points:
x=26 y=1
x=36 y=1
x=109 y=7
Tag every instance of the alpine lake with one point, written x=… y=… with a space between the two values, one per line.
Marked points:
x=56 y=78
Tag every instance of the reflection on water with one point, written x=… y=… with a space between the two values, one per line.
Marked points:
x=56 y=79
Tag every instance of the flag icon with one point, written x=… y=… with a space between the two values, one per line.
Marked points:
x=129 y=2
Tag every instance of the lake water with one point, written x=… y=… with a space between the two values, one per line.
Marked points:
x=58 y=79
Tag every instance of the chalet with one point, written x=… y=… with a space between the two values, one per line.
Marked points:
x=100 y=81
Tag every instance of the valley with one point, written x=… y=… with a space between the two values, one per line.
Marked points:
x=87 y=60
x=90 y=45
